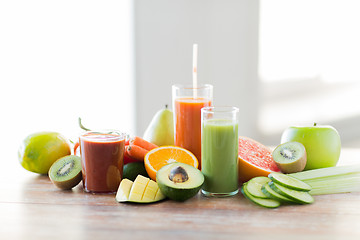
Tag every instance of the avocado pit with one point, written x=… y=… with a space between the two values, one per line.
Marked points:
x=178 y=175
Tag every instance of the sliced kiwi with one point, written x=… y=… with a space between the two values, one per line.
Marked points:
x=65 y=173
x=290 y=157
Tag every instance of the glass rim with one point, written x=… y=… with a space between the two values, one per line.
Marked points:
x=219 y=109
x=116 y=134
x=190 y=86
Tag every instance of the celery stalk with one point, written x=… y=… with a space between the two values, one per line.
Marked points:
x=326 y=172
x=331 y=180
x=333 y=185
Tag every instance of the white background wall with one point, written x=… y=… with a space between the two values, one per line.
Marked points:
x=60 y=60
x=113 y=63
x=291 y=41
x=226 y=32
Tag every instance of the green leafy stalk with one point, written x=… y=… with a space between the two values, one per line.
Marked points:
x=82 y=126
x=331 y=180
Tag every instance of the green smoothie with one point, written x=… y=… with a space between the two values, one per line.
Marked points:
x=219 y=149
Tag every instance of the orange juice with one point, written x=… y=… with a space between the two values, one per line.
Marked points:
x=188 y=123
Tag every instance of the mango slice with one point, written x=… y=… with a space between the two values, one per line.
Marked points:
x=142 y=190
x=138 y=188
x=123 y=192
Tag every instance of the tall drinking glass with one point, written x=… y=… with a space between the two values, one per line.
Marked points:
x=187 y=104
x=219 y=148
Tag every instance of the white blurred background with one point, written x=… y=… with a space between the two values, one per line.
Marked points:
x=112 y=63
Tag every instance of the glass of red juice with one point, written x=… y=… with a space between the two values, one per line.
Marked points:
x=187 y=104
x=102 y=160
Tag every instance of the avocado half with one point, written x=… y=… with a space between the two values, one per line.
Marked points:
x=179 y=181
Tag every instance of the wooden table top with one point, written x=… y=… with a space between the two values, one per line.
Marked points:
x=31 y=207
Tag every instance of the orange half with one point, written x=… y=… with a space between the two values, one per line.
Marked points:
x=161 y=156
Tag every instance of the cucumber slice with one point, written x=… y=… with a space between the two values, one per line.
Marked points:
x=289 y=182
x=254 y=186
x=298 y=196
x=266 y=189
x=263 y=202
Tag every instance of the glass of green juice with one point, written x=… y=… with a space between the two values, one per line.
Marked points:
x=219 y=150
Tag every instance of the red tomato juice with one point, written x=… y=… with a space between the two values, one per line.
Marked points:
x=102 y=161
x=188 y=124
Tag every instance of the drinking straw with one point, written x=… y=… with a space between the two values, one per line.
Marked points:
x=195 y=55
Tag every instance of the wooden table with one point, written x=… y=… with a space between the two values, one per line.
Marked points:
x=31 y=207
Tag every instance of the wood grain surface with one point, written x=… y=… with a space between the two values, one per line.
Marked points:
x=31 y=207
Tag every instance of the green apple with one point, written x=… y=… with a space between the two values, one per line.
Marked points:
x=161 y=128
x=322 y=144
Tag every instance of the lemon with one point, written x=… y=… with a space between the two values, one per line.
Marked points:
x=40 y=150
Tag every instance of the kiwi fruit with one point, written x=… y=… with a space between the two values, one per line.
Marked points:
x=290 y=157
x=65 y=173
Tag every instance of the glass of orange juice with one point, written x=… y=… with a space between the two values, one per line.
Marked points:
x=187 y=104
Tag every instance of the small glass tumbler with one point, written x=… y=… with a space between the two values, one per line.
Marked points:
x=219 y=149
x=102 y=160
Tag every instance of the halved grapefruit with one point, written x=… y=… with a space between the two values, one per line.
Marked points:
x=255 y=160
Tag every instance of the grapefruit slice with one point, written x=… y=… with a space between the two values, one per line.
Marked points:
x=255 y=160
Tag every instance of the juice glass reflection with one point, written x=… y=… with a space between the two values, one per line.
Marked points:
x=102 y=160
x=187 y=104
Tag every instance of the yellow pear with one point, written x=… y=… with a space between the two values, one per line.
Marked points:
x=161 y=128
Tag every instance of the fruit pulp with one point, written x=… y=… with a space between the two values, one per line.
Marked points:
x=102 y=158
x=255 y=160
x=188 y=124
x=220 y=157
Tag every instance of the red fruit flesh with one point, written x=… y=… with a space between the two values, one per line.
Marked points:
x=256 y=153
x=255 y=159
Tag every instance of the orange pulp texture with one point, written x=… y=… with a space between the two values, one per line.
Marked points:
x=161 y=156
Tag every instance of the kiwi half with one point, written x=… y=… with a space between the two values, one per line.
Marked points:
x=290 y=157
x=65 y=173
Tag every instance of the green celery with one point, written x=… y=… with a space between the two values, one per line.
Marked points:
x=331 y=180
x=326 y=172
